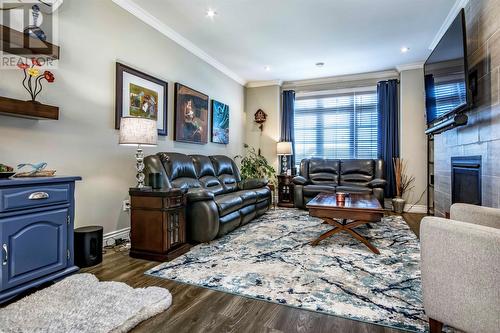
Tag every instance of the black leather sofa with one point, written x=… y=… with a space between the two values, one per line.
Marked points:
x=319 y=175
x=218 y=201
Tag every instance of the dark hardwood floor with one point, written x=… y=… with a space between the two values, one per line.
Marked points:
x=196 y=309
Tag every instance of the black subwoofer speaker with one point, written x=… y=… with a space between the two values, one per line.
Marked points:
x=88 y=246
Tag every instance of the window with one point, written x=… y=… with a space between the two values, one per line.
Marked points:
x=449 y=95
x=342 y=125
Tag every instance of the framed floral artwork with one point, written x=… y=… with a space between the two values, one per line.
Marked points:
x=191 y=115
x=140 y=95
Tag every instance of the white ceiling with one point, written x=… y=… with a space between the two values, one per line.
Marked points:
x=349 y=36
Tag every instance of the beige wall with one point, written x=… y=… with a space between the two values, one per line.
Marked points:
x=94 y=34
x=268 y=99
x=413 y=138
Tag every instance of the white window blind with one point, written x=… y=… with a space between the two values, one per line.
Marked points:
x=342 y=125
x=449 y=95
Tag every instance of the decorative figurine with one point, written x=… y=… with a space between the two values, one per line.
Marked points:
x=37 y=167
x=33 y=77
x=38 y=170
x=34 y=30
x=260 y=118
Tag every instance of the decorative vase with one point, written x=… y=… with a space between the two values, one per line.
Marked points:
x=398 y=205
x=34 y=30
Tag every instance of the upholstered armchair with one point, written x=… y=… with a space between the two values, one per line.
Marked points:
x=461 y=269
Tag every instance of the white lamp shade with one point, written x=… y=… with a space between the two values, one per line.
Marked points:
x=284 y=148
x=138 y=131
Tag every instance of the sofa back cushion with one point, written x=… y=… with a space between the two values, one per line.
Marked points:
x=206 y=174
x=227 y=172
x=180 y=170
x=356 y=172
x=323 y=171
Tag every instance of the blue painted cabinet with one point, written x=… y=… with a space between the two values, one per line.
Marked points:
x=36 y=232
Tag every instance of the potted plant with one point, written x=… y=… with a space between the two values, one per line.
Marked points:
x=404 y=184
x=254 y=165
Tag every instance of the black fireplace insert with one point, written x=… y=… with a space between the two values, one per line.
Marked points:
x=466 y=180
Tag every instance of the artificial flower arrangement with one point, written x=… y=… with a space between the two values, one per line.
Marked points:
x=33 y=77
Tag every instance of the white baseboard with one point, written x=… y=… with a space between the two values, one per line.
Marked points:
x=122 y=233
x=409 y=208
x=416 y=209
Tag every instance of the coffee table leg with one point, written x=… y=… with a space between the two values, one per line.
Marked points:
x=325 y=235
x=363 y=240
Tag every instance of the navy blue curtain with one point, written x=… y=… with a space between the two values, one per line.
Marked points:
x=388 y=135
x=430 y=94
x=287 y=121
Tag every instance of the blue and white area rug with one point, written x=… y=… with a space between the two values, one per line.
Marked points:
x=271 y=259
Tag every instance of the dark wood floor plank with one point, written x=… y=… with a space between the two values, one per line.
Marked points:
x=195 y=309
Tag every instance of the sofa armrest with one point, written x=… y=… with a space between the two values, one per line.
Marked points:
x=460 y=273
x=486 y=216
x=252 y=183
x=299 y=180
x=377 y=183
x=199 y=194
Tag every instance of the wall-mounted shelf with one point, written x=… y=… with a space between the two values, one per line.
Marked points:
x=16 y=42
x=27 y=109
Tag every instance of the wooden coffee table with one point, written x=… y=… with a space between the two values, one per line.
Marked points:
x=358 y=209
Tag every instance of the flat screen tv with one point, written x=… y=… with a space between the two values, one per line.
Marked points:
x=446 y=74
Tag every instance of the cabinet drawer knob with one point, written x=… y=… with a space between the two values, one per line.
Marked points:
x=6 y=258
x=38 y=196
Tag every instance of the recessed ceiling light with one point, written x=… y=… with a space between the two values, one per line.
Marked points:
x=211 y=13
x=267 y=68
x=405 y=49
x=320 y=64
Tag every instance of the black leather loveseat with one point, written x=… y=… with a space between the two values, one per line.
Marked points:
x=319 y=175
x=218 y=201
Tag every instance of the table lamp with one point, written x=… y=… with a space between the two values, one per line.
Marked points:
x=138 y=132
x=284 y=149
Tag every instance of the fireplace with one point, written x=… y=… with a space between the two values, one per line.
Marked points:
x=466 y=179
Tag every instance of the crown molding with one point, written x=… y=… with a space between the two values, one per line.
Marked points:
x=257 y=84
x=161 y=27
x=408 y=67
x=459 y=4
x=342 y=78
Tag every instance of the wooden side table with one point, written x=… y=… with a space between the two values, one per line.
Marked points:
x=158 y=224
x=285 y=191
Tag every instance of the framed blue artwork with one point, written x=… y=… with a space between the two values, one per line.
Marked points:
x=220 y=122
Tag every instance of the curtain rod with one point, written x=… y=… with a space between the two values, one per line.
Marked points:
x=397 y=80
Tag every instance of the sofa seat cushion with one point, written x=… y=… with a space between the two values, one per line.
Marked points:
x=228 y=223
x=228 y=203
x=248 y=196
x=263 y=193
x=313 y=190
x=354 y=189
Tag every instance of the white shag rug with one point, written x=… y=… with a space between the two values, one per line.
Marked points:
x=80 y=303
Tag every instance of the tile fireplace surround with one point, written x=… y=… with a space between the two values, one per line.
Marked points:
x=482 y=135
